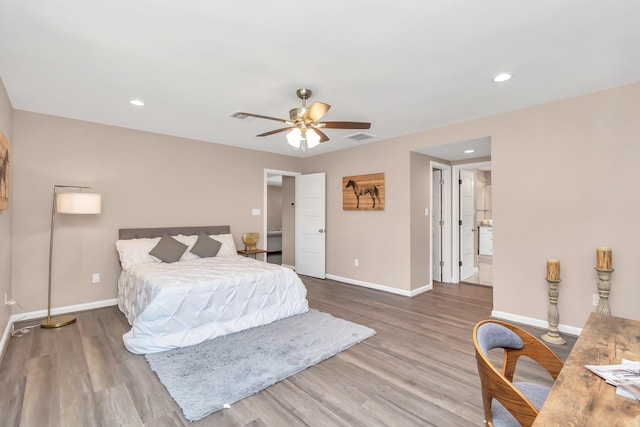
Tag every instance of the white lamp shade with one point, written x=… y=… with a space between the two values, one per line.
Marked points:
x=313 y=138
x=78 y=203
x=293 y=137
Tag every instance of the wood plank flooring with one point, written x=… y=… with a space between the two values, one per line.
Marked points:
x=419 y=369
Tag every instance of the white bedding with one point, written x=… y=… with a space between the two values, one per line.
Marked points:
x=187 y=302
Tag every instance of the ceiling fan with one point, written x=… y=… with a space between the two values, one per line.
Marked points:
x=303 y=125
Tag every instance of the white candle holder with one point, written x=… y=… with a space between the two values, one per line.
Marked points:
x=553 y=333
x=604 y=289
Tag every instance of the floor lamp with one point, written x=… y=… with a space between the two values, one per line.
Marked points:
x=68 y=203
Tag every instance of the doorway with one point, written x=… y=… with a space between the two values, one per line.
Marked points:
x=467 y=224
x=437 y=224
x=440 y=222
x=450 y=158
x=303 y=219
x=473 y=237
x=279 y=217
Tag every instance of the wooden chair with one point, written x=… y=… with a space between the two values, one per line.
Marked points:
x=508 y=403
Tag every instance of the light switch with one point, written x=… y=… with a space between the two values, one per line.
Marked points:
x=255 y=212
x=426 y=211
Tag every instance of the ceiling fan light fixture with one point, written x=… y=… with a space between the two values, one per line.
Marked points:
x=303 y=128
x=313 y=139
x=294 y=137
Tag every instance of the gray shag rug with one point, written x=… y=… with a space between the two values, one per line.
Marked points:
x=212 y=375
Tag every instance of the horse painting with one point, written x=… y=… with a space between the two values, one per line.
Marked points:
x=371 y=190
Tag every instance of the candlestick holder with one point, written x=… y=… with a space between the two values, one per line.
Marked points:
x=604 y=289
x=553 y=334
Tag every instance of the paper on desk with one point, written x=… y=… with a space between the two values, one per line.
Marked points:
x=625 y=376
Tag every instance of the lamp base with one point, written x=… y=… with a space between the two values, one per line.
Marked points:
x=58 y=321
x=553 y=338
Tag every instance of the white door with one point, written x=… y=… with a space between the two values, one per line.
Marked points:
x=467 y=224
x=436 y=224
x=310 y=224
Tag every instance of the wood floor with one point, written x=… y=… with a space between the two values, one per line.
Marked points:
x=419 y=369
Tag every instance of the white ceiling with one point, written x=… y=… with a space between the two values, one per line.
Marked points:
x=463 y=150
x=405 y=65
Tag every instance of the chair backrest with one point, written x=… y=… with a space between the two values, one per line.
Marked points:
x=497 y=384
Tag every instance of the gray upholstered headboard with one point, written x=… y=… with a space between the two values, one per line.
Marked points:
x=139 y=233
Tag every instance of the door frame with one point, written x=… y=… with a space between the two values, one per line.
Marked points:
x=468 y=230
x=265 y=190
x=446 y=216
x=455 y=215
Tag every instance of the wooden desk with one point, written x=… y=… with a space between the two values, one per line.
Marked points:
x=581 y=398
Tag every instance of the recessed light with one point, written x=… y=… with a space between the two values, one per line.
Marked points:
x=136 y=102
x=502 y=77
x=468 y=151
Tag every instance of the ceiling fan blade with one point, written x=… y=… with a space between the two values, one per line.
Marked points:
x=261 y=117
x=274 y=131
x=344 y=125
x=323 y=136
x=315 y=112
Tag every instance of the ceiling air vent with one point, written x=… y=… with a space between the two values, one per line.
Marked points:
x=359 y=136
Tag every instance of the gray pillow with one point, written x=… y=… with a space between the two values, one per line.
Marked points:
x=205 y=246
x=168 y=249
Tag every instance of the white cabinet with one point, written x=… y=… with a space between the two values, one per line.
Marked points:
x=486 y=241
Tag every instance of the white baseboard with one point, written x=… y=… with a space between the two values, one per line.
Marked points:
x=383 y=288
x=4 y=341
x=571 y=330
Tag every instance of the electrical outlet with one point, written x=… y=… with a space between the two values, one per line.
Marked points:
x=596 y=299
x=95 y=278
x=356 y=262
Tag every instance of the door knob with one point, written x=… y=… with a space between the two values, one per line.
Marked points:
x=321 y=231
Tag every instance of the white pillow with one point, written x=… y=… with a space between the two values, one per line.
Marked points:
x=189 y=241
x=136 y=251
x=228 y=247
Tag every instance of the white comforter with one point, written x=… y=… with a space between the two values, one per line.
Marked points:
x=184 y=303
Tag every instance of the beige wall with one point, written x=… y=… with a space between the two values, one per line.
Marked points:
x=586 y=196
x=420 y=180
x=288 y=220
x=146 y=180
x=274 y=208
x=6 y=113
x=564 y=182
x=380 y=240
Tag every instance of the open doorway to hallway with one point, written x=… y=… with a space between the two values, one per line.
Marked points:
x=461 y=172
x=279 y=226
x=475 y=219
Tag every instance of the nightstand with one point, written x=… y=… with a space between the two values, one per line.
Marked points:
x=253 y=252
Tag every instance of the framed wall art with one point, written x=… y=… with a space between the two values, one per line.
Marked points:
x=4 y=171
x=363 y=192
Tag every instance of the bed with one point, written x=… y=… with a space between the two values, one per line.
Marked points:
x=197 y=298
